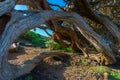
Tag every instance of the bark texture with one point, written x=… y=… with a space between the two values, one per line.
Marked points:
x=69 y=29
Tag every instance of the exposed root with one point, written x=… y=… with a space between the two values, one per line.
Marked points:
x=101 y=59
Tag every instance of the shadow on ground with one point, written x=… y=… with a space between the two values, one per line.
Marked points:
x=51 y=68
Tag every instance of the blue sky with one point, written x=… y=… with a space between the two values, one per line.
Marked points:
x=40 y=31
x=21 y=7
x=59 y=2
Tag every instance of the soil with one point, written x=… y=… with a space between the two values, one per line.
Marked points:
x=70 y=67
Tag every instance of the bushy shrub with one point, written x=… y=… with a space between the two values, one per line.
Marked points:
x=34 y=38
x=28 y=35
x=55 y=46
x=114 y=76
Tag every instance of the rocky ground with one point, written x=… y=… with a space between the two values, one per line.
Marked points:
x=65 y=67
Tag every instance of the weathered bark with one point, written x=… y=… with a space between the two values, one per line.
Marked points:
x=82 y=7
x=20 y=23
x=17 y=26
x=76 y=42
x=6 y=6
x=95 y=39
x=5 y=68
x=27 y=65
x=58 y=36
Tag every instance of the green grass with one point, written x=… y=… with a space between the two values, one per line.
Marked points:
x=103 y=69
x=100 y=69
x=84 y=62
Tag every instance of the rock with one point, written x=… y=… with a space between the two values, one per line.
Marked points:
x=94 y=63
x=14 y=48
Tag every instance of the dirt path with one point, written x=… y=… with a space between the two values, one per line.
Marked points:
x=26 y=53
x=74 y=67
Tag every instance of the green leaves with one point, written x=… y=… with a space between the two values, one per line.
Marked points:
x=34 y=38
x=55 y=46
x=115 y=75
x=29 y=77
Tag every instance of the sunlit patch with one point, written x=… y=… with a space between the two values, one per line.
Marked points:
x=25 y=14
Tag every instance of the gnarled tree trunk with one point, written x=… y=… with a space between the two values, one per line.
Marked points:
x=80 y=35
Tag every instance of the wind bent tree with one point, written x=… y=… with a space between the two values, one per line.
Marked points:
x=81 y=24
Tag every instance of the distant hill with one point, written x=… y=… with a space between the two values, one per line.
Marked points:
x=34 y=38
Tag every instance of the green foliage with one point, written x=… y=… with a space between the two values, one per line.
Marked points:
x=28 y=35
x=84 y=62
x=100 y=69
x=115 y=76
x=55 y=46
x=34 y=38
x=68 y=49
x=29 y=77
